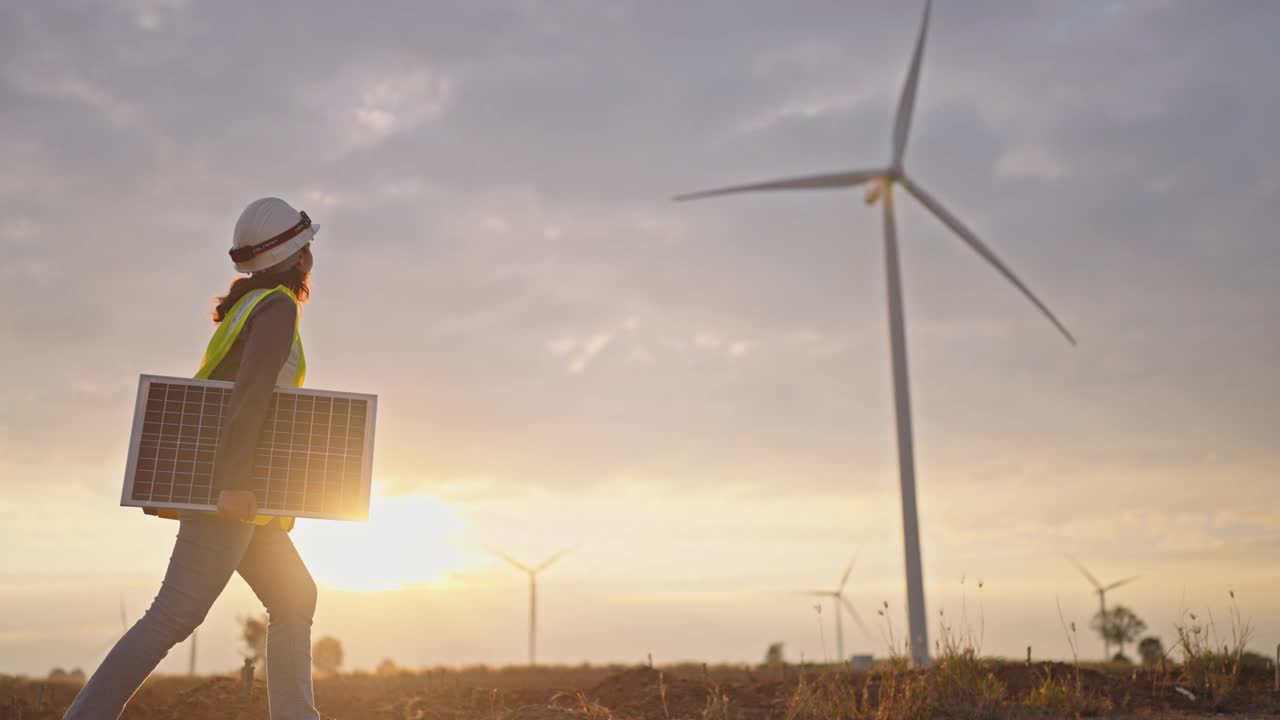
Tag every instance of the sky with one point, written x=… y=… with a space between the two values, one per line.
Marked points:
x=695 y=396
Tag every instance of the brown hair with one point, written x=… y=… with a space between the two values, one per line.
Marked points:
x=294 y=278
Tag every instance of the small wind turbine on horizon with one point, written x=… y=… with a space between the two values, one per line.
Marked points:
x=841 y=604
x=1101 y=590
x=883 y=180
x=533 y=593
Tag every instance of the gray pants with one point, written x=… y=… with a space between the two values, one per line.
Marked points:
x=207 y=552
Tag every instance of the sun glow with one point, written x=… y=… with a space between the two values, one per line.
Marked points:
x=407 y=540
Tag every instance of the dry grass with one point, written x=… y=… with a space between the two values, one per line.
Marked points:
x=578 y=705
x=1065 y=692
x=960 y=684
x=892 y=695
x=1212 y=661
x=1064 y=695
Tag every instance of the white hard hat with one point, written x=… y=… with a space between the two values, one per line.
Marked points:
x=268 y=232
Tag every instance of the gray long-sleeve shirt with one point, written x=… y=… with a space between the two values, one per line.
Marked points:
x=253 y=363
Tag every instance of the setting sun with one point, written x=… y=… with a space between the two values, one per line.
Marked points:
x=407 y=540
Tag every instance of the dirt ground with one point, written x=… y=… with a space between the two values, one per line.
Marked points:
x=676 y=693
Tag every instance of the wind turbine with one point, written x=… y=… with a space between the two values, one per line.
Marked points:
x=883 y=180
x=841 y=604
x=1102 y=598
x=533 y=593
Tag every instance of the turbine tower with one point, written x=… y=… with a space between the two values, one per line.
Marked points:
x=533 y=594
x=841 y=604
x=1101 y=590
x=883 y=180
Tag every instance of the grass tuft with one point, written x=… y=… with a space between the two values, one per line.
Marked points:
x=1211 y=661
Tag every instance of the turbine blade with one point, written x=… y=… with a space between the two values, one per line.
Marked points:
x=1119 y=583
x=508 y=558
x=549 y=561
x=907 y=103
x=979 y=247
x=845 y=578
x=819 y=593
x=856 y=617
x=1088 y=576
x=809 y=182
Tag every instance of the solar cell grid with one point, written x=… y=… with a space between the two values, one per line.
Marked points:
x=313 y=456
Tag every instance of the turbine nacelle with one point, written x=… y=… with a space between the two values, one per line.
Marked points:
x=879 y=187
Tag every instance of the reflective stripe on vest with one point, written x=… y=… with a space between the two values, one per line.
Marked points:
x=294 y=370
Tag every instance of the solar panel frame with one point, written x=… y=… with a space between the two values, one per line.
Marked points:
x=200 y=438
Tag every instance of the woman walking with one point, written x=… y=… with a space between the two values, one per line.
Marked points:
x=257 y=346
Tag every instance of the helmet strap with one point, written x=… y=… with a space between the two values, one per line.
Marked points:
x=249 y=252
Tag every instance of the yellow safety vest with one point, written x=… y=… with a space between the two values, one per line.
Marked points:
x=292 y=373
x=294 y=370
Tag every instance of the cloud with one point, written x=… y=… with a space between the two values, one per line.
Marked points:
x=152 y=15
x=730 y=348
x=1034 y=162
x=69 y=86
x=321 y=198
x=367 y=103
x=813 y=106
x=580 y=351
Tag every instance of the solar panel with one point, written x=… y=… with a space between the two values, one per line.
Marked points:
x=314 y=456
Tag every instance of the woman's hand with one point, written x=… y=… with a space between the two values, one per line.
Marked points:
x=240 y=505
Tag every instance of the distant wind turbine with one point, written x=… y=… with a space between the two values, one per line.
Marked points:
x=1101 y=590
x=883 y=180
x=841 y=604
x=533 y=593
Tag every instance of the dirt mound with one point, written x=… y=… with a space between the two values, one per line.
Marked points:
x=645 y=692
x=220 y=697
x=648 y=693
